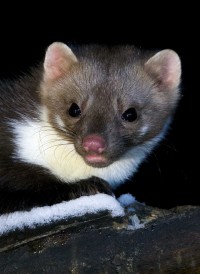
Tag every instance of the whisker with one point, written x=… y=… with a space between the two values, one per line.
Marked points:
x=48 y=126
x=153 y=155
x=168 y=144
x=55 y=145
x=72 y=152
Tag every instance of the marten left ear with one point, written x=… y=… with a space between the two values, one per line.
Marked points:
x=58 y=60
x=165 y=67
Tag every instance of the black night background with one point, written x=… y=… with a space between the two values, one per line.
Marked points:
x=169 y=177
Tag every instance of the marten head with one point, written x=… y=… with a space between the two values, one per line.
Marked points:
x=107 y=101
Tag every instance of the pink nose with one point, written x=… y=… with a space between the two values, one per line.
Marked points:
x=94 y=143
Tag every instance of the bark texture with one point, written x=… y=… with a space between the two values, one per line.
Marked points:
x=145 y=241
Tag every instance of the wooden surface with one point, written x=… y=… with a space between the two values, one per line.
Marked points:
x=165 y=242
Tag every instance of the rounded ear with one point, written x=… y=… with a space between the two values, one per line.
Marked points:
x=58 y=59
x=165 y=67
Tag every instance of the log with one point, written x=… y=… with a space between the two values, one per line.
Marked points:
x=146 y=240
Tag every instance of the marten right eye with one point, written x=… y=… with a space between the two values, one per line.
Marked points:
x=74 y=110
x=130 y=115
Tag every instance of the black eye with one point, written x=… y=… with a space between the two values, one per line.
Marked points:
x=74 y=110
x=129 y=115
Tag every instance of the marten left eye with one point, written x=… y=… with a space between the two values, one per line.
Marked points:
x=130 y=115
x=74 y=110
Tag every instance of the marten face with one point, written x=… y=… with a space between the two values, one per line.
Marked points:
x=110 y=102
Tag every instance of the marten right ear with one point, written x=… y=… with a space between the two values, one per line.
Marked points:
x=165 y=68
x=58 y=59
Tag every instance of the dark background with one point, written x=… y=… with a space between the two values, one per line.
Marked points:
x=169 y=177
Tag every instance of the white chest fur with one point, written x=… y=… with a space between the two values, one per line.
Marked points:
x=38 y=143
